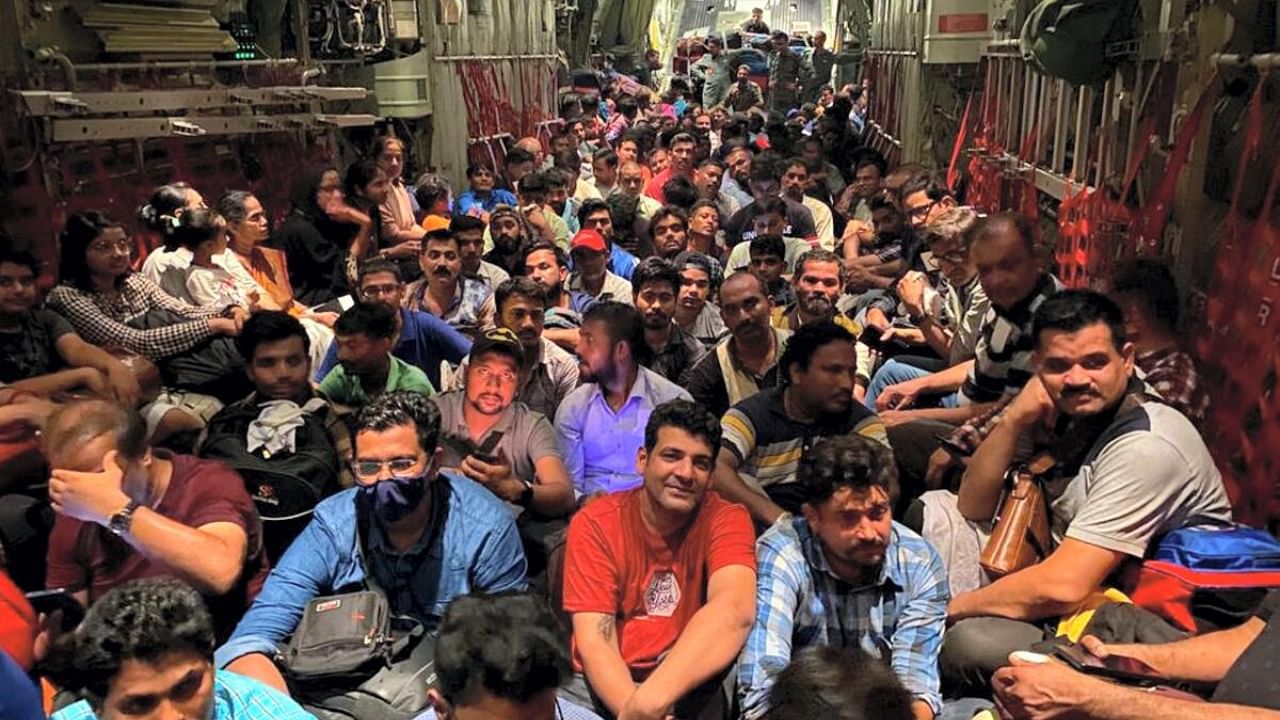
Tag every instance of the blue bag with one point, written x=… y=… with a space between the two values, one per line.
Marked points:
x=1236 y=548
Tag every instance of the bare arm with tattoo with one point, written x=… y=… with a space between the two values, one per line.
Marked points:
x=596 y=635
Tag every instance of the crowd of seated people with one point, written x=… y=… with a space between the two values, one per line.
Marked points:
x=690 y=411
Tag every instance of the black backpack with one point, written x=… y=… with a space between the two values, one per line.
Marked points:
x=285 y=487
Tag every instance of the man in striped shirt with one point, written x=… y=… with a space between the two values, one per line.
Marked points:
x=765 y=435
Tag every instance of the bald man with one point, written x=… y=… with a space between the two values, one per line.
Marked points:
x=631 y=182
x=170 y=514
x=533 y=146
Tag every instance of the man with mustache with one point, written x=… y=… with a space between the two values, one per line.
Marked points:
x=444 y=292
x=669 y=231
x=746 y=362
x=766 y=434
x=515 y=452
x=816 y=283
x=548 y=372
x=656 y=284
x=1129 y=470
x=843 y=574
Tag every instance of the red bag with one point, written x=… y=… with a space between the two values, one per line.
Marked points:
x=1193 y=600
x=18 y=623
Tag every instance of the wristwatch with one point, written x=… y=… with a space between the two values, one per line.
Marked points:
x=526 y=495
x=120 y=523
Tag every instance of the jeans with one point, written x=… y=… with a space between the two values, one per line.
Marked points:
x=896 y=371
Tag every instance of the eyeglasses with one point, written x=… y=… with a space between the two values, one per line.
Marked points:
x=374 y=291
x=922 y=211
x=401 y=468
x=105 y=247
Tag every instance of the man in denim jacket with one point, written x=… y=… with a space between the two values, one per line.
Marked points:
x=431 y=537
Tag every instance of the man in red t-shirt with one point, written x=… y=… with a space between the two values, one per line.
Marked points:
x=683 y=148
x=660 y=580
x=126 y=511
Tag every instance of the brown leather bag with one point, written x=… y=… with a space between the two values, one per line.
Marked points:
x=1021 y=536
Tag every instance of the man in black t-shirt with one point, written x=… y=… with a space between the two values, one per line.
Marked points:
x=40 y=351
x=1240 y=660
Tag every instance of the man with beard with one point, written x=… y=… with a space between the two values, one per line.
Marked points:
x=843 y=574
x=602 y=422
x=766 y=434
x=750 y=353
x=1129 y=470
x=673 y=350
x=426 y=535
x=738 y=159
x=795 y=178
x=366 y=368
x=817 y=288
x=145 y=649
x=421 y=339
x=510 y=233
x=631 y=182
x=596 y=215
x=513 y=448
x=695 y=313
x=744 y=94
x=548 y=373
x=660 y=581
x=668 y=230
x=546 y=264
x=470 y=233
x=444 y=292
x=682 y=149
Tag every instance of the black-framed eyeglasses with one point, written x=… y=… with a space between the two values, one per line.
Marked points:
x=922 y=211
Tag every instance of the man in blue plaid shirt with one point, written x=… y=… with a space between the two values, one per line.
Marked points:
x=845 y=575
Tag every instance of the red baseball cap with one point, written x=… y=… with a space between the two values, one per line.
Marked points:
x=589 y=239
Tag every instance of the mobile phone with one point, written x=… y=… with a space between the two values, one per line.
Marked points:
x=47 y=602
x=1116 y=667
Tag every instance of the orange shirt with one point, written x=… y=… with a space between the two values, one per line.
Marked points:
x=615 y=565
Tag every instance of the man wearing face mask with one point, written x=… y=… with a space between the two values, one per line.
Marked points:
x=431 y=536
x=127 y=511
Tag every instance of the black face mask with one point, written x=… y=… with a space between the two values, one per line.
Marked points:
x=392 y=499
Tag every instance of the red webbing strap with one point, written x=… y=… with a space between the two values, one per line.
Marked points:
x=953 y=168
x=1148 y=229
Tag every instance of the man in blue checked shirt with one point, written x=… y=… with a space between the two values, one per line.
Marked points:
x=845 y=575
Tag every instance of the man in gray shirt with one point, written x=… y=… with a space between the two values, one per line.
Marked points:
x=497 y=441
x=1128 y=470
